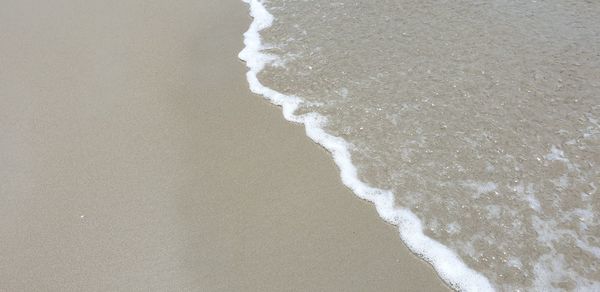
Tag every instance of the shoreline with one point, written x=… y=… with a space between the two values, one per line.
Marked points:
x=445 y=261
x=136 y=158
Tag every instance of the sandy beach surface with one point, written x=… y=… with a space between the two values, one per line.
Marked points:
x=133 y=157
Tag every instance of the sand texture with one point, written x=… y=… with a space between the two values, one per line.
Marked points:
x=133 y=157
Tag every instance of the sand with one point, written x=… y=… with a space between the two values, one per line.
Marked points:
x=134 y=157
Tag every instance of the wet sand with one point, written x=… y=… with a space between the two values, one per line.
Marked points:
x=134 y=157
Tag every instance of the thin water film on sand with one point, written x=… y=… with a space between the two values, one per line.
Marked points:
x=483 y=118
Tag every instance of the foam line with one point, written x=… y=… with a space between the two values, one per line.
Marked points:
x=445 y=261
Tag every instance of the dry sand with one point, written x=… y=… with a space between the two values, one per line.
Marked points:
x=133 y=157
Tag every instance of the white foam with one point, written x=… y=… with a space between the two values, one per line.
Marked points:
x=445 y=261
x=556 y=155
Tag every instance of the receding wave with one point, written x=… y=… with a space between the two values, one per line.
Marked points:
x=474 y=127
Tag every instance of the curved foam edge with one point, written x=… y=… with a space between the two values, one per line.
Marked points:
x=445 y=261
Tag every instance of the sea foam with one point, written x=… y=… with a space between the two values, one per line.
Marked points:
x=445 y=261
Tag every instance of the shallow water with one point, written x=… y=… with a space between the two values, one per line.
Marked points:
x=483 y=118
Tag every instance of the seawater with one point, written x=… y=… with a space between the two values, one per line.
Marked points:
x=474 y=126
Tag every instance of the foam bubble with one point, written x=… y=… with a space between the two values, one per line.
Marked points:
x=445 y=261
x=556 y=155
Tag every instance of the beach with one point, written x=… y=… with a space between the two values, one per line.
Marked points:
x=474 y=127
x=134 y=157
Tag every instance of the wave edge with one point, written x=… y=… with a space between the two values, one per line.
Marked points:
x=446 y=262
